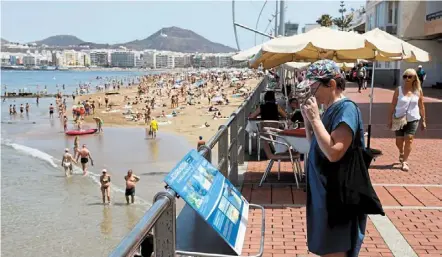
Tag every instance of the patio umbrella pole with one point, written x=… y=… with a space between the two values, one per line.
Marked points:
x=373 y=151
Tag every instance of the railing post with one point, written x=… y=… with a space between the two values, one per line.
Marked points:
x=164 y=229
x=242 y=142
x=223 y=150
x=208 y=156
x=233 y=150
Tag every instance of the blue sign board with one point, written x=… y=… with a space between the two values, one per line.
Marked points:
x=212 y=196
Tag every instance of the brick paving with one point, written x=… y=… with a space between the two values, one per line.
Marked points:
x=415 y=211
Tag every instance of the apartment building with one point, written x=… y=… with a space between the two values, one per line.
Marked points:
x=161 y=61
x=309 y=27
x=123 y=59
x=99 y=58
x=149 y=60
x=417 y=22
x=170 y=61
x=69 y=58
x=290 y=29
x=224 y=60
x=29 y=60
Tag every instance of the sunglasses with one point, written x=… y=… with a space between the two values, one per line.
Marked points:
x=408 y=76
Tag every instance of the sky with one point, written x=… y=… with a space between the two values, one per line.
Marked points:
x=118 y=22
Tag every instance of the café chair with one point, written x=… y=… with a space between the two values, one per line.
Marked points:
x=274 y=124
x=269 y=141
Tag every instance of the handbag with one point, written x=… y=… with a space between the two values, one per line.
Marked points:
x=397 y=123
x=350 y=192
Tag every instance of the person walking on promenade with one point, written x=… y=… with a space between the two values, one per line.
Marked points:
x=407 y=109
x=333 y=139
x=421 y=74
x=362 y=75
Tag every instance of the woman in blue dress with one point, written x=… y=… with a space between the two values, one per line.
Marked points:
x=330 y=138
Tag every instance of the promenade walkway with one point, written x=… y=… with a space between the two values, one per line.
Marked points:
x=412 y=200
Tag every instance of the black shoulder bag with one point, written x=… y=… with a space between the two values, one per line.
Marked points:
x=349 y=189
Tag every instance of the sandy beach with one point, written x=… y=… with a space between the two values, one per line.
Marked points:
x=189 y=121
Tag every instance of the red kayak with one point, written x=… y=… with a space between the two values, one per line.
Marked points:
x=80 y=132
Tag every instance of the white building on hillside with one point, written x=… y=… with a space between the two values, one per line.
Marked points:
x=100 y=58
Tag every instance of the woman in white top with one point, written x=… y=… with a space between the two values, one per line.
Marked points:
x=407 y=100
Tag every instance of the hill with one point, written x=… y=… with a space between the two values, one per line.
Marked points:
x=178 y=40
x=4 y=41
x=61 y=41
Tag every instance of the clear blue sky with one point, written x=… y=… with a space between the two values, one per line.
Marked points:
x=119 y=22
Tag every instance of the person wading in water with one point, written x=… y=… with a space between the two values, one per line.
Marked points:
x=131 y=180
x=67 y=161
x=85 y=156
x=105 y=180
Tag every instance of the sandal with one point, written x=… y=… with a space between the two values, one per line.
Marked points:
x=401 y=157
x=405 y=166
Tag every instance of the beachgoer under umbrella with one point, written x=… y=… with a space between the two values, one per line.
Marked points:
x=131 y=180
x=105 y=180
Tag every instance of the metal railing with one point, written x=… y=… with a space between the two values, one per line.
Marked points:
x=161 y=217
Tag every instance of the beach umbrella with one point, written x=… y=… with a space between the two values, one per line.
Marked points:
x=385 y=44
x=319 y=43
x=247 y=54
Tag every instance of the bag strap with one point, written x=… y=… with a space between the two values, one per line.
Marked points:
x=356 y=141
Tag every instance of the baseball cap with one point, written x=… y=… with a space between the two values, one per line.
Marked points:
x=321 y=70
x=104 y=170
x=420 y=66
x=66 y=150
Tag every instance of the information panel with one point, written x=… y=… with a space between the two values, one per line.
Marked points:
x=212 y=196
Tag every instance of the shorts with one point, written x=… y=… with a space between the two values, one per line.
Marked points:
x=130 y=191
x=409 y=129
x=84 y=160
x=67 y=165
x=51 y=112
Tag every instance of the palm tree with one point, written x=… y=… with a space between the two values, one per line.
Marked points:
x=325 y=20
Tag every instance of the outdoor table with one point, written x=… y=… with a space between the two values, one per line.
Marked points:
x=297 y=138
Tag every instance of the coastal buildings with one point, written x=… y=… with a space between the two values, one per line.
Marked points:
x=291 y=29
x=309 y=27
x=123 y=59
x=149 y=59
x=29 y=60
x=99 y=58
x=417 y=22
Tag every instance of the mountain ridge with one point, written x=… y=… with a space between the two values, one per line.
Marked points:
x=166 y=39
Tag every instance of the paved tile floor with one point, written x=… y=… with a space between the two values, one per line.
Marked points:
x=412 y=200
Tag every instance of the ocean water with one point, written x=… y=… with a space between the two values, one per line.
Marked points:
x=46 y=214
x=37 y=80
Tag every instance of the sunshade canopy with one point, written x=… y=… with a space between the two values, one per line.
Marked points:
x=386 y=43
x=319 y=43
